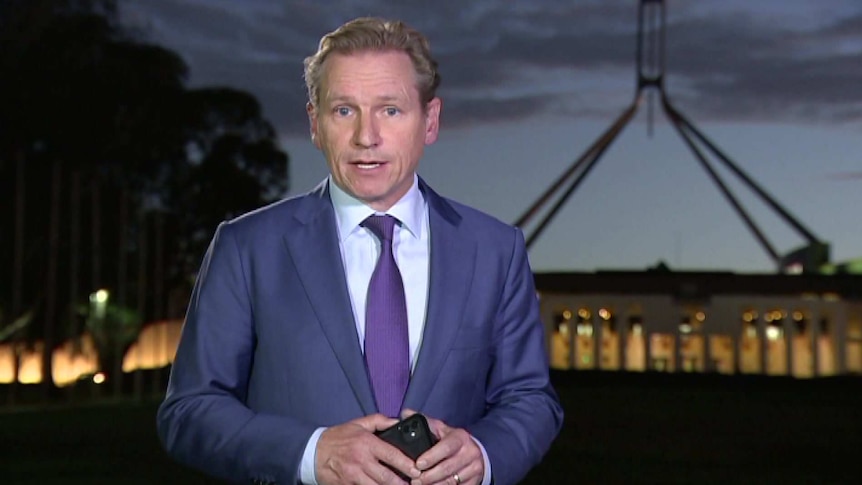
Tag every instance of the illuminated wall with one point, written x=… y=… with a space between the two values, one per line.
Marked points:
x=30 y=364
x=635 y=348
x=721 y=353
x=692 y=353
x=610 y=347
x=561 y=347
x=805 y=336
x=662 y=354
x=854 y=342
x=73 y=359
x=155 y=347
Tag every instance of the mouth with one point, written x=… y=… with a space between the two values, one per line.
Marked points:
x=367 y=165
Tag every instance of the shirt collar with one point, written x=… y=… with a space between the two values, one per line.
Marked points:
x=350 y=211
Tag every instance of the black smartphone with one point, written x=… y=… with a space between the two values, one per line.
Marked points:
x=411 y=435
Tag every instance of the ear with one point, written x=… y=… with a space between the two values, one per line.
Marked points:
x=312 y=122
x=432 y=120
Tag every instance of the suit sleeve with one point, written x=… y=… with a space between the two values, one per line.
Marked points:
x=524 y=414
x=204 y=422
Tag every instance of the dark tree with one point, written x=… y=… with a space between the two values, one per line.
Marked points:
x=113 y=173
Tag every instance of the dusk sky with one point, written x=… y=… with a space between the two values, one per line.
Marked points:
x=529 y=85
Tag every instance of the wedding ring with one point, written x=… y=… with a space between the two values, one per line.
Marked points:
x=457 y=479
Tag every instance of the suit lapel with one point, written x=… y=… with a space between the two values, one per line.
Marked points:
x=314 y=249
x=453 y=255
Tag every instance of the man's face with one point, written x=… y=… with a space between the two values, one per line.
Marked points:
x=371 y=125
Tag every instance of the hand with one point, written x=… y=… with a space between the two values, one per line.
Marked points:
x=455 y=453
x=350 y=453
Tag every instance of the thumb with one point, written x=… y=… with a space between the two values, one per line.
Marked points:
x=375 y=422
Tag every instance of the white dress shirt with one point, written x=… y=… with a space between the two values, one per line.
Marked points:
x=360 y=248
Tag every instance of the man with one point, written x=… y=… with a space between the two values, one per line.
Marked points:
x=277 y=377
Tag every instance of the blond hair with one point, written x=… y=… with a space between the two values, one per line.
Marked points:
x=370 y=34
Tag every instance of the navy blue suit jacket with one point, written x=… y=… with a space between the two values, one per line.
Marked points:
x=269 y=349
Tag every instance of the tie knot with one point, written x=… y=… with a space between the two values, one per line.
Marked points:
x=381 y=226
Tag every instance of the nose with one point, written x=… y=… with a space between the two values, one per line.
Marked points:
x=366 y=133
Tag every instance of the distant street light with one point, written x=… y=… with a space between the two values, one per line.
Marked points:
x=99 y=302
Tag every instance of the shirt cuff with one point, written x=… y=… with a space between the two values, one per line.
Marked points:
x=306 y=467
x=486 y=479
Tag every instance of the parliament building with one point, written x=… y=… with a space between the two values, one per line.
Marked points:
x=799 y=325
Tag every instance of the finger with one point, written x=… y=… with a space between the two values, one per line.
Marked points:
x=439 y=428
x=469 y=475
x=381 y=473
x=375 y=422
x=395 y=458
x=350 y=453
x=464 y=477
x=448 y=446
x=455 y=453
x=372 y=474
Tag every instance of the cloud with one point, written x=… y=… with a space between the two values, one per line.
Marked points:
x=749 y=68
x=484 y=110
x=796 y=60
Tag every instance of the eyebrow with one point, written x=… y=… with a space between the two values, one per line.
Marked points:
x=350 y=99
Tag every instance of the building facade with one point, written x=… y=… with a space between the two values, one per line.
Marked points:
x=804 y=326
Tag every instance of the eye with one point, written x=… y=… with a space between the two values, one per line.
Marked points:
x=342 y=111
x=392 y=111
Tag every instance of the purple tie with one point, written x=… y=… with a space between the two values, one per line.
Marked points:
x=386 y=341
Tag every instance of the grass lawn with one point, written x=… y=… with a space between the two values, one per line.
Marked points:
x=619 y=428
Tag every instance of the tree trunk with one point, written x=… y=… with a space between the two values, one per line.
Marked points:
x=142 y=295
x=51 y=282
x=159 y=294
x=18 y=269
x=74 y=263
x=96 y=236
x=96 y=282
x=122 y=287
